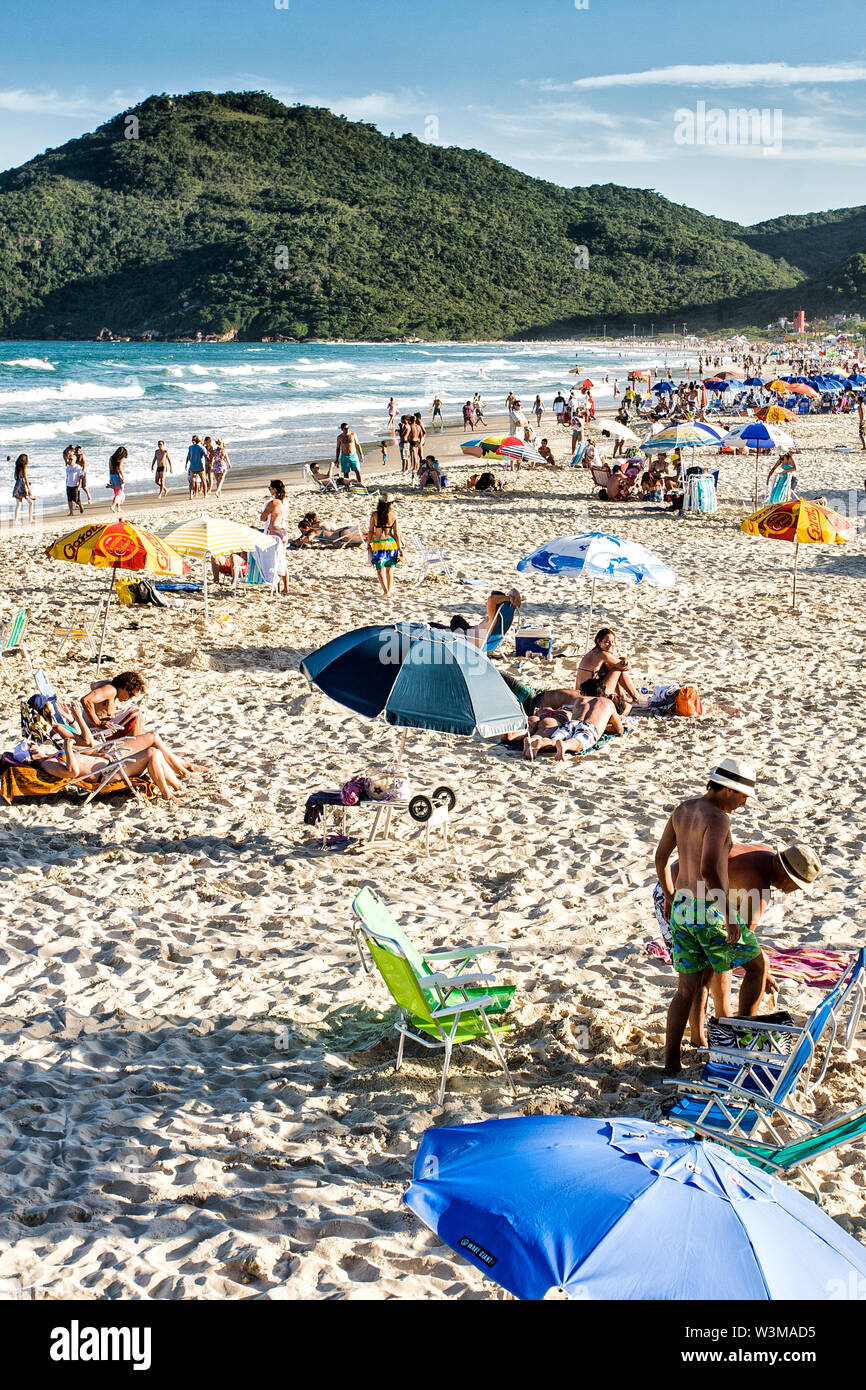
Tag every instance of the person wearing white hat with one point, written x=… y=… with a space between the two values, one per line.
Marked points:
x=754 y=871
x=706 y=931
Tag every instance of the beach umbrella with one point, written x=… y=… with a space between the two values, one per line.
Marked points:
x=800 y=388
x=688 y=434
x=623 y=1209
x=801 y=522
x=778 y=386
x=728 y=376
x=759 y=435
x=527 y=453
x=472 y=447
x=857 y=380
x=613 y=429
x=664 y=388
x=754 y=381
x=208 y=536
x=492 y=444
x=116 y=545
x=775 y=414
x=418 y=677
x=596 y=555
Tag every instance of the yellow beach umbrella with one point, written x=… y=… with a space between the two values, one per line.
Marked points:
x=208 y=536
x=812 y=523
x=116 y=545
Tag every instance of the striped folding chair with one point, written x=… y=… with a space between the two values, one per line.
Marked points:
x=12 y=641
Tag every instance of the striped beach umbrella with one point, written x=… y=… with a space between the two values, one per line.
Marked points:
x=526 y=453
x=116 y=545
x=208 y=536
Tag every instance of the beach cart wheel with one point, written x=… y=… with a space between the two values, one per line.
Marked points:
x=444 y=796
x=420 y=808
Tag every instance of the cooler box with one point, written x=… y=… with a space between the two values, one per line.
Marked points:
x=533 y=639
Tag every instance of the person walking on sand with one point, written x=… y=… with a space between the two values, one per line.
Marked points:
x=21 y=488
x=468 y=417
x=349 y=455
x=221 y=466
x=116 y=479
x=82 y=463
x=208 y=464
x=384 y=543
x=274 y=517
x=195 y=458
x=706 y=930
x=478 y=409
x=861 y=421
x=73 y=481
x=538 y=411
x=161 y=462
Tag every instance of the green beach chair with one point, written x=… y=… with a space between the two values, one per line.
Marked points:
x=378 y=920
x=12 y=641
x=803 y=1148
x=444 y=1026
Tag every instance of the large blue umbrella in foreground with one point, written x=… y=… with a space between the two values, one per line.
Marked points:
x=623 y=1209
x=418 y=677
x=599 y=556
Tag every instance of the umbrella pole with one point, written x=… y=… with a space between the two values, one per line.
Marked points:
x=757 y=454
x=401 y=750
x=105 y=618
x=796 y=557
x=589 y=619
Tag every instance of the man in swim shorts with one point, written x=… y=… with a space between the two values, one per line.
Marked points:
x=753 y=872
x=706 y=930
x=591 y=715
x=349 y=455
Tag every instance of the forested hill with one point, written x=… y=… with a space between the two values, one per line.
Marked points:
x=236 y=214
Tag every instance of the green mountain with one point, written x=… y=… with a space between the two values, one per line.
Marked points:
x=234 y=214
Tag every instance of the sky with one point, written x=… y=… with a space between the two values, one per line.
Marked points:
x=613 y=91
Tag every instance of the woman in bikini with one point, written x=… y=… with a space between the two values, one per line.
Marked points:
x=220 y=467
x=313 y=532
x=21 y=487
x=145 y=755
x=384 y=543
x=274 y=517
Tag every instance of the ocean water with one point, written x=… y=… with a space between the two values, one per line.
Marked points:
x=274 y=404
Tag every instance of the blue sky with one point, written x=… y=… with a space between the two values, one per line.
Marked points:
x=616 y=92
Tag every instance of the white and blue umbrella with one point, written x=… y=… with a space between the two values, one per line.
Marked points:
x=599 y=556
x=758 y=435
x=622 y=1208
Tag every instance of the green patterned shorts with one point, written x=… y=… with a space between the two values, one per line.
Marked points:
x=700 y=941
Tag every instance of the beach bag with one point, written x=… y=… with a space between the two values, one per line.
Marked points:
x=688 y=702
x=386 y=784
x=145 y=593
x=723 y=1035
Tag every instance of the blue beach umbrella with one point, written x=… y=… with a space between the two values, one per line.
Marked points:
x=758 y=435
x=418 y=677
x=599 y=556
x=664 y=387
x=624 y=1209
x=754 y=381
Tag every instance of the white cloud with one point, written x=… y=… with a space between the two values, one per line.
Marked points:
x=720 y=75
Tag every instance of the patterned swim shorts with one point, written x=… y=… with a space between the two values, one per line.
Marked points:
x=700 y=941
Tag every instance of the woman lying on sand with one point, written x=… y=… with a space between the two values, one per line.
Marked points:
x=477 y=633
x=144 y=755
x=313 y=532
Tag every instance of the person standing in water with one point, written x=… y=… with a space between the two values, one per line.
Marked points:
x=21 y=488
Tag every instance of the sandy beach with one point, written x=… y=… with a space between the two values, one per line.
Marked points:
x=200 y=1097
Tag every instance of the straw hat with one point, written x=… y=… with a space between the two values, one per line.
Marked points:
x=735 y=773
x=801 y=864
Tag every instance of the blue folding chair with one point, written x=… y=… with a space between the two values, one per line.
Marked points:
x=500 y=625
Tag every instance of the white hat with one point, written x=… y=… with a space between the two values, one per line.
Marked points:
x=801 y=864
x=735 y=773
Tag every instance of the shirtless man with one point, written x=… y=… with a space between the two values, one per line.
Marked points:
x=604 y=661
x=591 y=715
x=161 y=462
x=99 y=704
x=706 y=930
x=417 y=435
x=349 y=455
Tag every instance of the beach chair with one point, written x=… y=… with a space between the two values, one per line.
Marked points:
x=577 y=457
x=80 y=630
x=430 y=557
x=443 y=1026
x=718 y=1104
x=501 y=623
x=601 y=474
x=321 y=484
x=376 y=917
x=12 y=641
x=810 y=1140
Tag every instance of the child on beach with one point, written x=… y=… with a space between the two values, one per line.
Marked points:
x=384 y=448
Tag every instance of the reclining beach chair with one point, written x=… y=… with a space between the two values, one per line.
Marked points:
x=577 y=456
x=322 y=484
x=430 y=558
x=443 y=1026
x=500 y=625
x=722 y=1102
x=378 y=921
x=12 y=641
x=81 y=629
x=811 y=1140
x=601 y=474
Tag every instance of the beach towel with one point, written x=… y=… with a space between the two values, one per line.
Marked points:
x=819 y=969
x=25 y=779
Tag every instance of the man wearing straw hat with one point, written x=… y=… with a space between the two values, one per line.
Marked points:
x=706 y=930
